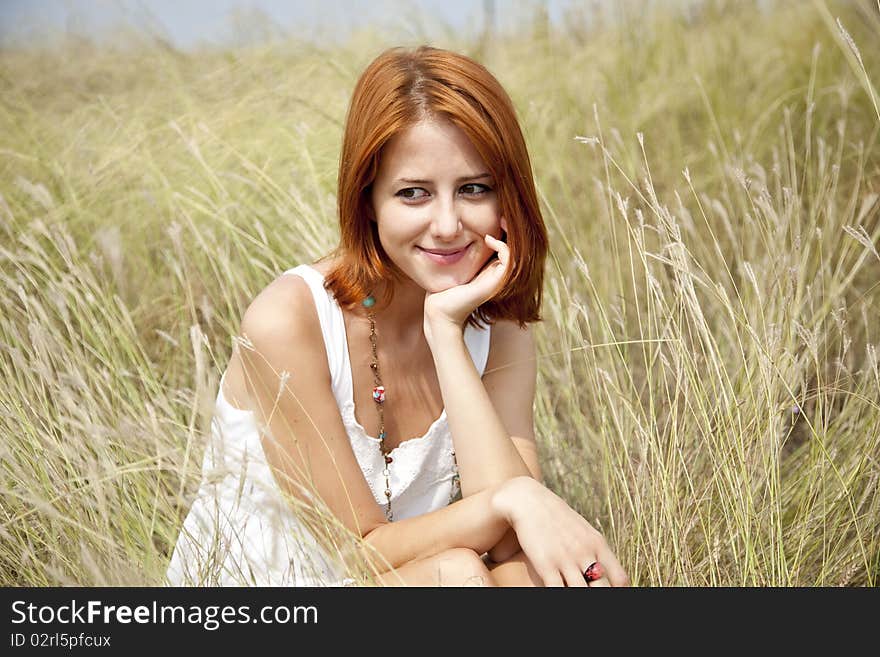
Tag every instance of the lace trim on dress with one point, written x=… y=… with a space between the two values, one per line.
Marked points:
x=411 y=457
x=350 y=421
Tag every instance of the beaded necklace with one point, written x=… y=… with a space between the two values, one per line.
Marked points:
x=379 y=400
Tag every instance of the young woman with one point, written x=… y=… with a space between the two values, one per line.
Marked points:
x=392 y=383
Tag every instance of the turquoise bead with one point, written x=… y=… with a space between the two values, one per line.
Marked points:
x=368 y=302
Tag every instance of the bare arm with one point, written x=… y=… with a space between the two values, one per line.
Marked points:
x=485 y=453
x=491 y=420
x=472 y=522
x=489 y=450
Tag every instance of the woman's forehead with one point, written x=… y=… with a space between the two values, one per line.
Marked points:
x=431 y=147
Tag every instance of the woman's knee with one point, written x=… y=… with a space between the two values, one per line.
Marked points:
x=462 y=567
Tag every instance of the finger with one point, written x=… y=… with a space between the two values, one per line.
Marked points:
x=574 y=578
x=594 y=574
x=600 y=583
x=552 y=579
x=503 y=252
x=499 y=247
x=494 y=243
x=492 y=273
x=614 y=572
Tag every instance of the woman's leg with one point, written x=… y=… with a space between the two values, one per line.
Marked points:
x=456 y=567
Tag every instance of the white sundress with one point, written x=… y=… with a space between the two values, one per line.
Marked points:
x=240 y=531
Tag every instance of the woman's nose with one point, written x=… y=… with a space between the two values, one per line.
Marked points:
x=445 y=224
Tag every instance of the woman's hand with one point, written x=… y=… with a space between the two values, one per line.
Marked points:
x=559 y=543
x=454 y=306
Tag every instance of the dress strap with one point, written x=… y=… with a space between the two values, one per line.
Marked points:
x=332 y=329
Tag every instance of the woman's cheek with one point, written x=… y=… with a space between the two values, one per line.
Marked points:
x=483 y=258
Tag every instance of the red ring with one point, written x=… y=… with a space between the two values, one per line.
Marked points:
x=593 y=572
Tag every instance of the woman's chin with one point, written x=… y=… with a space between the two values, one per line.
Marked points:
x=435 y=279
x=442 y=283
x=437 y=287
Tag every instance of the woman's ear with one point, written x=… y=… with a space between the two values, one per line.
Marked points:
x=504 y=229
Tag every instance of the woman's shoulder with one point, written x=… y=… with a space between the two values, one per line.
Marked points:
x=508 y=342
x=284 y=311
x=278 y=305
x=286 y=297
x=281 y=323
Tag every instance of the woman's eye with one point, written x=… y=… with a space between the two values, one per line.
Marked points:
x=474 y=189
x=412 y=193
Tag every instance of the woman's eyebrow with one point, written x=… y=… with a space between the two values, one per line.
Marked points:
x=423 y=181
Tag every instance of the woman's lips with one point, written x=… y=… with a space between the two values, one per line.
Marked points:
x=444 y=256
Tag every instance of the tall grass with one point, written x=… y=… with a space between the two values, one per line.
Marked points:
x=709 y=381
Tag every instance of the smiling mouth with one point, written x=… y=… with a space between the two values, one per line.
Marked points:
x=444 y=252
x=444 y=256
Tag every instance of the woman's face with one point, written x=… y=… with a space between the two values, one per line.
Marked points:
x=434 y=200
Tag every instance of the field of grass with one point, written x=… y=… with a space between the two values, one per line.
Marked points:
x=709 y=381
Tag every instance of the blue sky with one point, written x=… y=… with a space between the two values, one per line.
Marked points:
x=189 y=22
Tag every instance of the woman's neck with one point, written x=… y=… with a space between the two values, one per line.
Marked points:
x=402 y=319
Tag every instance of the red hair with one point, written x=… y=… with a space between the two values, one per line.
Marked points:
x=397 y=90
